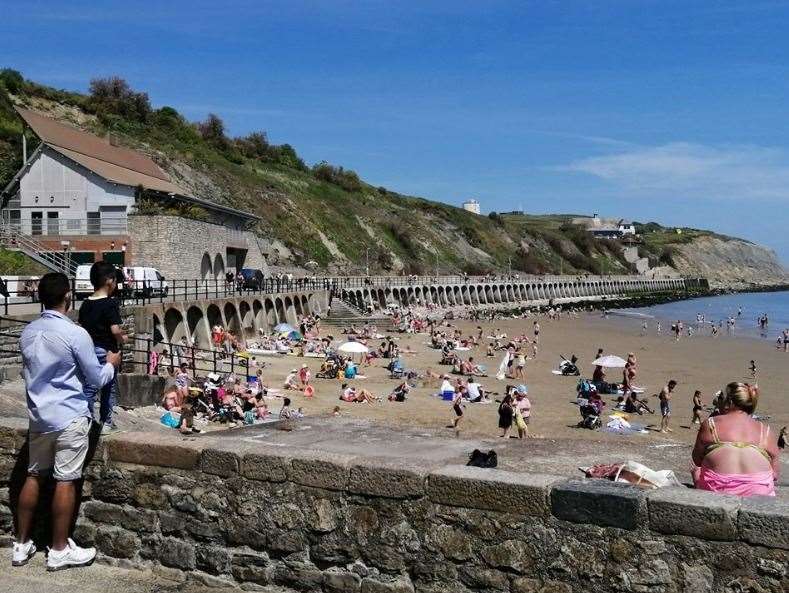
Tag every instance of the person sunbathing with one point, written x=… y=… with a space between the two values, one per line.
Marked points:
x=633 y=405
x=735 y=454
x=474 y=369
x=400 y=393
x=350 y=394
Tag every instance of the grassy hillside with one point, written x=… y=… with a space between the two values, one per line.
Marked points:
x=322 y=213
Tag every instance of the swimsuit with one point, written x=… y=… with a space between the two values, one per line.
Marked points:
x=750 y=484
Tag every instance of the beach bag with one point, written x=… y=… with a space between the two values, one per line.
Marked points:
x=249 y=417
x=168 y=419
x=481 y=459
x=519 y=421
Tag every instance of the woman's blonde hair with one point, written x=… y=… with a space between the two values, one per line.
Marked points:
x=742 y=396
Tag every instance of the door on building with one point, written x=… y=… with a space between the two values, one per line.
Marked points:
x=36 y=222
x=82 y=257
x=117 y=258
x=52 y=223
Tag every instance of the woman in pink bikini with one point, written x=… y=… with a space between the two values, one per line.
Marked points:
x=735 y=454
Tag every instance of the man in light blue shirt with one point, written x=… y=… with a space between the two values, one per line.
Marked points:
x=58 y=360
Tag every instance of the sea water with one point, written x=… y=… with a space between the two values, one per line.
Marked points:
x=744 y=307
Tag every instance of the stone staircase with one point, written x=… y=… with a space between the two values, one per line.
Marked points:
x=344 y=314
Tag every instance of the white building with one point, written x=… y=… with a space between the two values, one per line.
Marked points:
x=471 y=206
x=626 y=227
x=81 y=195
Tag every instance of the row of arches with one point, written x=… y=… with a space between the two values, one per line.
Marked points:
x=246 y=317
x=212 y=269
x=508 y=292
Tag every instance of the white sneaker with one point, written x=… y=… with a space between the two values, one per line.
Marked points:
x=70 y=556
x=23 y=553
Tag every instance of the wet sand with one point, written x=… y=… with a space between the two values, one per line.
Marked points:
x=700 y=362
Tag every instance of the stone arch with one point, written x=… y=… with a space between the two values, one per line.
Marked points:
x=219 y=266
x=270 y=315
x=233 y=320
x=214 y=316
x=297 y=307
x=247 y=318
x=279 y=306
x=206 y=269
x=198 y=327
x=159 y=334
x=174 y=325
x=259 y=315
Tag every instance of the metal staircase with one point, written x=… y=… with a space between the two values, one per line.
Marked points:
x=12 y=239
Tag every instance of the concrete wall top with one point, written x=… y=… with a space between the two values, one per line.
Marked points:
x=760 y=521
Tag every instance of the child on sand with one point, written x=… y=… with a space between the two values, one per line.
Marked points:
x=698 y=405
x=752 y=368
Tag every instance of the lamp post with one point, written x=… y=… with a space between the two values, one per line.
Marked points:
x=366 y=261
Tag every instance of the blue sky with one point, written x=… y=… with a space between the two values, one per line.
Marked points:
x=651 y=110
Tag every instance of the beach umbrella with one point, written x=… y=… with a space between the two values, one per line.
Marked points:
x=292 y=335
x=284 y=328
x=610 y=361
x=353 y=348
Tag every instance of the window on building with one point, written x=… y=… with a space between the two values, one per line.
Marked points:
x=53 y=223
x=94 y=223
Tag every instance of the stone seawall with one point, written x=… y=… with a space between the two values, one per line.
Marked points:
x=274 y=519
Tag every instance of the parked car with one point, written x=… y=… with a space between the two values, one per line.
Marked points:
x=82 y=286
x=147 y=282
x=253 y=279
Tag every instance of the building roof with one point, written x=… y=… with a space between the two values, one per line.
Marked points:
x=63 y=136
x=116 y=164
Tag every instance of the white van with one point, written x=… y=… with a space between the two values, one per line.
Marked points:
x=82 y=286
x=148 y=282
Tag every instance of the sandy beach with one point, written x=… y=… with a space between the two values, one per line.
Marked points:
x=699 y=362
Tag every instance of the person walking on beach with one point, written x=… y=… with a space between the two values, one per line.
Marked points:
x=58 y=362
x=665 y=405
x=505 y=416
x=520 y=365
x=457 y=409
x=752 y=369
x=698 y=406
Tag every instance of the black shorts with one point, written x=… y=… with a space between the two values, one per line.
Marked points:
x=458 y=410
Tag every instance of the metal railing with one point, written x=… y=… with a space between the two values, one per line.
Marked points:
x=66 y=227
x=143 y=292
x=200 y=361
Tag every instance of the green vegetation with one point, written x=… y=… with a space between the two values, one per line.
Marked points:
x=14 y=263
x=315 y=211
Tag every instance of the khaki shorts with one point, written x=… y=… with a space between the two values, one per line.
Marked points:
x=62 y=452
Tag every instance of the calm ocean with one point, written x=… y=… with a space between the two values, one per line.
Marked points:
x=774 y=304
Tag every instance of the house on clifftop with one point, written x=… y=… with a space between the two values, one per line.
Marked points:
x=90 y=199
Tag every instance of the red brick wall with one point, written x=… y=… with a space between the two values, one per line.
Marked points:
x=95 y=243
